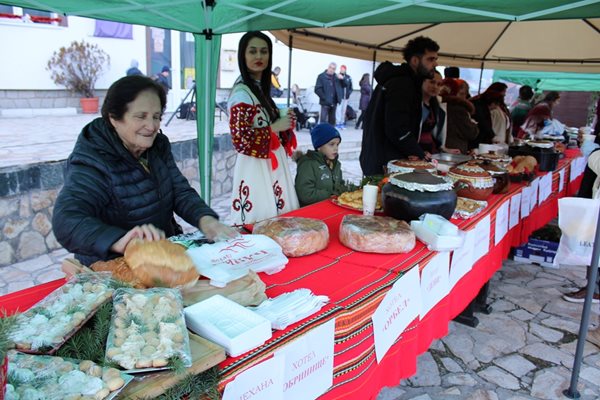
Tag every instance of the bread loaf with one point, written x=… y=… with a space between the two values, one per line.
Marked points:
x=374 y=234
x=297 y=236
x=120 y=271
x=160 y=263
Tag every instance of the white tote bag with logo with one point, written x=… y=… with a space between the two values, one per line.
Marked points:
x=577 y=219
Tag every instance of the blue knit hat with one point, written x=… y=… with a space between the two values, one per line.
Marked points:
x=323 y=133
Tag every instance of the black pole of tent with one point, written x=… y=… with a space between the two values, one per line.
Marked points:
x=480 y=78
x=289 y=92
x=572 y=392
x=373 y=68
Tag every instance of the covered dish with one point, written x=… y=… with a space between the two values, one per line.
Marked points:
x=408 y=196
x=493 y=156
x=406 y=165
x=445 y=161
x=499 y=175
x=472 y=181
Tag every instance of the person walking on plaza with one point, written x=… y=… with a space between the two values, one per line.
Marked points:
x=346 y=83
x=319 y=174
x=393 y=119
x=263 y=137
x=134 y=70
x=365 y=97
x=163 y=78
x=329 y=90
x=276 y=90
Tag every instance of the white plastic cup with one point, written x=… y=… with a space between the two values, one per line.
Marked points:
x=369 y=198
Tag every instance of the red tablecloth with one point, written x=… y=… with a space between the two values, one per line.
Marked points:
x=356 y=283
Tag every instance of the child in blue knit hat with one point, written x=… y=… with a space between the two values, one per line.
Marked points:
x=319 y=174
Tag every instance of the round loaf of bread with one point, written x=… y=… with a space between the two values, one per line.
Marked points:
x=297 y=236
x=160 y=263
x=374 y=234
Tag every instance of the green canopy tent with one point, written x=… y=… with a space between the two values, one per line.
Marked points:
x=209 y=19
x=560 y=81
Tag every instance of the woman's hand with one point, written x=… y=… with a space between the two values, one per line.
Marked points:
x=215 y=230
x=282 y=124
x=144 y=232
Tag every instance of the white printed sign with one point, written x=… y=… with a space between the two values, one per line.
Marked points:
x=525 y=198
x=515 y=206
x=261 y=382
x=533 y=201
x=308 y=369
x=482 y=238
x=501 y=222
x=435 y=281
x=400 y=306
x=545 y=187
x=561 y=180
x=577 y=167
x=462 y=258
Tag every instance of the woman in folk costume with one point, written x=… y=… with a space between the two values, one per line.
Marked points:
x=263 y=137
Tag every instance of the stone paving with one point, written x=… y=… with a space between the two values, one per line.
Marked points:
x=523 y=350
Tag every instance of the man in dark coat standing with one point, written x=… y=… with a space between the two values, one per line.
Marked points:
x=329 y=90
x=393 y=119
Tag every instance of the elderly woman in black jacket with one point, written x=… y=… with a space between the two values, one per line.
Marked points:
x=122 y=182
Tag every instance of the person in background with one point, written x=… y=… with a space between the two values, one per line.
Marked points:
x=462 y=128
x=346 y=84
x=329 y=89
x=393 y=118
x=319 y=174
x=276 y=90
x=452 y=72
x=134 y=70
x=540 y=118
x=122 y=182
x=365 y=96
x=590 y=184
x=163 y=78
x=432 y=137
x=520 y=109
x=262 y=135
x=493 y=97
x=597 y=123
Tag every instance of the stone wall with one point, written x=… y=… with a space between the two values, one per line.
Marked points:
x=34 y=99
x=28 y=194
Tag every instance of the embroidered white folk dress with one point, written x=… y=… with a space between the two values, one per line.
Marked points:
x=262 y=183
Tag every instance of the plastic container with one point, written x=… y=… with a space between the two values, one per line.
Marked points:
x=434 y=241
x=228 y=324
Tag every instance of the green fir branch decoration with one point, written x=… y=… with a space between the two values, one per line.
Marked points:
x=7 y=324
x=176 y=364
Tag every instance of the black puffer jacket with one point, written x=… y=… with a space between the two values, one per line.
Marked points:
x=107 y=192
x=392 y=119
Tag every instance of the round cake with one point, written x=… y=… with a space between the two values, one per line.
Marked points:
x=374 y=234
x=297 y=236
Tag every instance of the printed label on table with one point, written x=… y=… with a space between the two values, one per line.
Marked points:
x=482 y=238
x=577 y=167
x=515 y=206
x=501 y=222
x=525 y=198
x=400 y=306
x=545 y=187
x=435 y=283
x=561 y=180
x=261 y=382
x=533 y=201
x=308 y=363
x=462 y=259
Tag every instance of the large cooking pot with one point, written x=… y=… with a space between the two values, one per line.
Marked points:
x=472 y=181
x=408 y=196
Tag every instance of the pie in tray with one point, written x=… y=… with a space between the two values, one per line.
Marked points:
x=354 y=200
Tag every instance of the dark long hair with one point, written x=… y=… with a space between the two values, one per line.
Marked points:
x=365 y=78
x=261 y=92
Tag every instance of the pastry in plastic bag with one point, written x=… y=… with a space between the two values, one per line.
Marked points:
x=147 y=328
x=297 y=236
x=374 y=234
x=160 y=263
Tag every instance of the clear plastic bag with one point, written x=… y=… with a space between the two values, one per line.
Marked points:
x=297 y=236
x=57 y=378
x=147 y=328
x=53 y=320
x=577 y=218
x=373 y=234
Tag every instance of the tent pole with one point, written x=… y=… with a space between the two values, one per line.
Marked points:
x=373 y=67
x=572 y=392
x=480 y=78
x=289 y=86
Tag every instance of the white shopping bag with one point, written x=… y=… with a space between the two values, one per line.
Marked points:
x=577 y=219
x=231 y=259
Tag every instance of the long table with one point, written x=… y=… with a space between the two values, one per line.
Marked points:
x=357 y=283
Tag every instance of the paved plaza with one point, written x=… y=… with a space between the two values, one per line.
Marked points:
x=523 y=350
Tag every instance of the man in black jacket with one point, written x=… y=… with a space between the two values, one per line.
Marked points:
x=393 y=118
x=329 y=90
